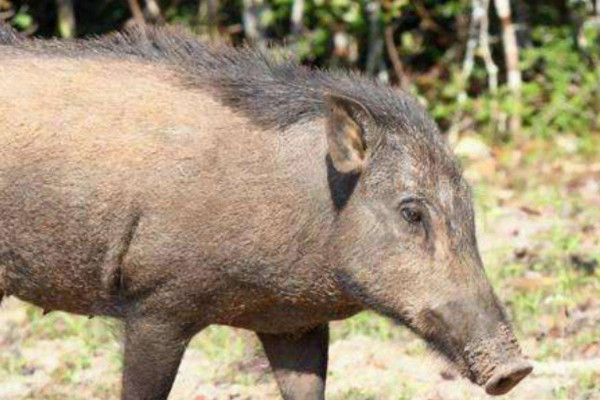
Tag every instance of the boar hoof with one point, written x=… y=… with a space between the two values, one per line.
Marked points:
x=507 y=377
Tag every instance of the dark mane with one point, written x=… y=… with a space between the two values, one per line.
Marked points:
x=271 y=89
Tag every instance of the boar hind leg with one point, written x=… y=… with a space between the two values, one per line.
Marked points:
x=153 y=352
x=299 y=362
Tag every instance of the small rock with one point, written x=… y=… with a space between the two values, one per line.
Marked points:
x=569 y=143
x=586 y=264
x=520 y=252
x=448 y=375
x=472 y=148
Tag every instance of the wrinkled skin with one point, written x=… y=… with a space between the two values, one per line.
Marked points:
x=172 y=208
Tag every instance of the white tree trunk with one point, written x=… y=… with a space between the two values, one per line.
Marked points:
x=478 y=37
x=375 y=49
x=394 y=56
x=297 y=17
x=208 y=14
x=511 y=56
x=136 y=11
x=254 y=27
x=66 y=18
x=153 y=11
x=511 y=49
x=486 y=52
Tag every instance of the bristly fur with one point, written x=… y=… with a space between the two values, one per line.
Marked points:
x=272 y=90
x=8 y=36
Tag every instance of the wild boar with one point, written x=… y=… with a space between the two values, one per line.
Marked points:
x=171 y=184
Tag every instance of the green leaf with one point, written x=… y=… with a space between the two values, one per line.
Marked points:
x=22 y=21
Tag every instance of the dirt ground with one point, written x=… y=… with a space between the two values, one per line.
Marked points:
x=539 y=227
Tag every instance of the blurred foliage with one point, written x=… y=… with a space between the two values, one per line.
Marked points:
x=559 y=43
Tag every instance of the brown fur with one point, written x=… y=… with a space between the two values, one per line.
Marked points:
x=126 y=192
x=130 y=132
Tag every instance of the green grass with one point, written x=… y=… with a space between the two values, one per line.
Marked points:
x=395 y=391
x=589 y=382
x=217 y=342
x=367 y=324
x=356 y=394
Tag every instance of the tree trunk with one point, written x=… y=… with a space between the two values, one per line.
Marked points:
x=297 y=17
x=395 y=57
x=484 y=43
x=511 y=55
x=477 y=38
x=153 y=11
x=254 y=27
x=66 y=18
x=208 y=15
x=251 y=20
x=521 y=20
x=136 y=12
x=375 y=49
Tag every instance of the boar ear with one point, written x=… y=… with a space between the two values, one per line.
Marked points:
x=346 y=119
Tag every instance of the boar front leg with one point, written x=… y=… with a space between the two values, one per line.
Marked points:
x=153 y=351
x=299 y=362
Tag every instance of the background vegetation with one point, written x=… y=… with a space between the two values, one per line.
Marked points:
x=506 y=69
x=516 y=86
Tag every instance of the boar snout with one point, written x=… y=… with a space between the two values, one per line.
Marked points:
x=495 y=361
x=480 y=342
x=507 y=377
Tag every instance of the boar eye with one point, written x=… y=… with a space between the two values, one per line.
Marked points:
x=411 y=215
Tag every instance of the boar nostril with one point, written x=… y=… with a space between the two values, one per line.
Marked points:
x=507 y=377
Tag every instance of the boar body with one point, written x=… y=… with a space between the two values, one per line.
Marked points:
x=117 y=185
x=172 y=185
